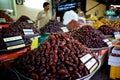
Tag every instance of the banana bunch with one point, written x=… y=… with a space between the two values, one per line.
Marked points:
x=116 y=24
x=97 y=24
x=105 y=21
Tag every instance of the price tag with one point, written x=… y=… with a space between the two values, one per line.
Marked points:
x=14 y=42
x=34 y=43
x=93 y=68
x=85 y=58
x=2 y=20
x=109 y=43
x=28 y=31
x=90 y=63
x=65 y=29
x=29 y=21
x=12 y=38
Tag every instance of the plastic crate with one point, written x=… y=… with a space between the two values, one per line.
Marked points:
x=114 y=72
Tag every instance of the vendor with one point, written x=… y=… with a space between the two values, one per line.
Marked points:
x=43 y=17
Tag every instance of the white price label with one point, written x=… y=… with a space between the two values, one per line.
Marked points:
x=12 y=38
x=65 y=29
x=16 y=46
x=2 y=20
x=109 y=43
x=85 y=58
x=90 y=63
x=29 y=21
x=28 y=31
x=93 y=68
x=105 y=40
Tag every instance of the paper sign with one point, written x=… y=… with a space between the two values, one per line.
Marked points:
x=93 y=68
x=109 y=43
x=65 y=29
x=29 y=21
x=34 y=43
x=90 y=63
x=28 y=31
x=85 y=58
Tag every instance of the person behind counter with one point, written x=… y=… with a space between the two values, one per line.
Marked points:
x=43 y=16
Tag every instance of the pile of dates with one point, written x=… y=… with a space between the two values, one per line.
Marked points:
x=107 y=30
x=6 y=16
x=11 y=31
x=23 y=18
x=52 y=26
x=90 y=37
x=57 y=58
x=73 y=25
x=24 y=25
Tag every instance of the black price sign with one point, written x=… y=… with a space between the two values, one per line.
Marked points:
x=14 y=42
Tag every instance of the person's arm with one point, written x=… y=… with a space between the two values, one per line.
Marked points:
x=38 y=18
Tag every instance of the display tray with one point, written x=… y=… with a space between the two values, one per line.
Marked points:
x=96 y=49
x=12 y=50
x=82 y=78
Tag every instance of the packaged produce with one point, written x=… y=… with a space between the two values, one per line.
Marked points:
x=58 y=58
x=90 y=37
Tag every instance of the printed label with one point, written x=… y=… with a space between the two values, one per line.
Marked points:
x=12 y=38
x=90 y=63
x=85 y=58
x=65 y=29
